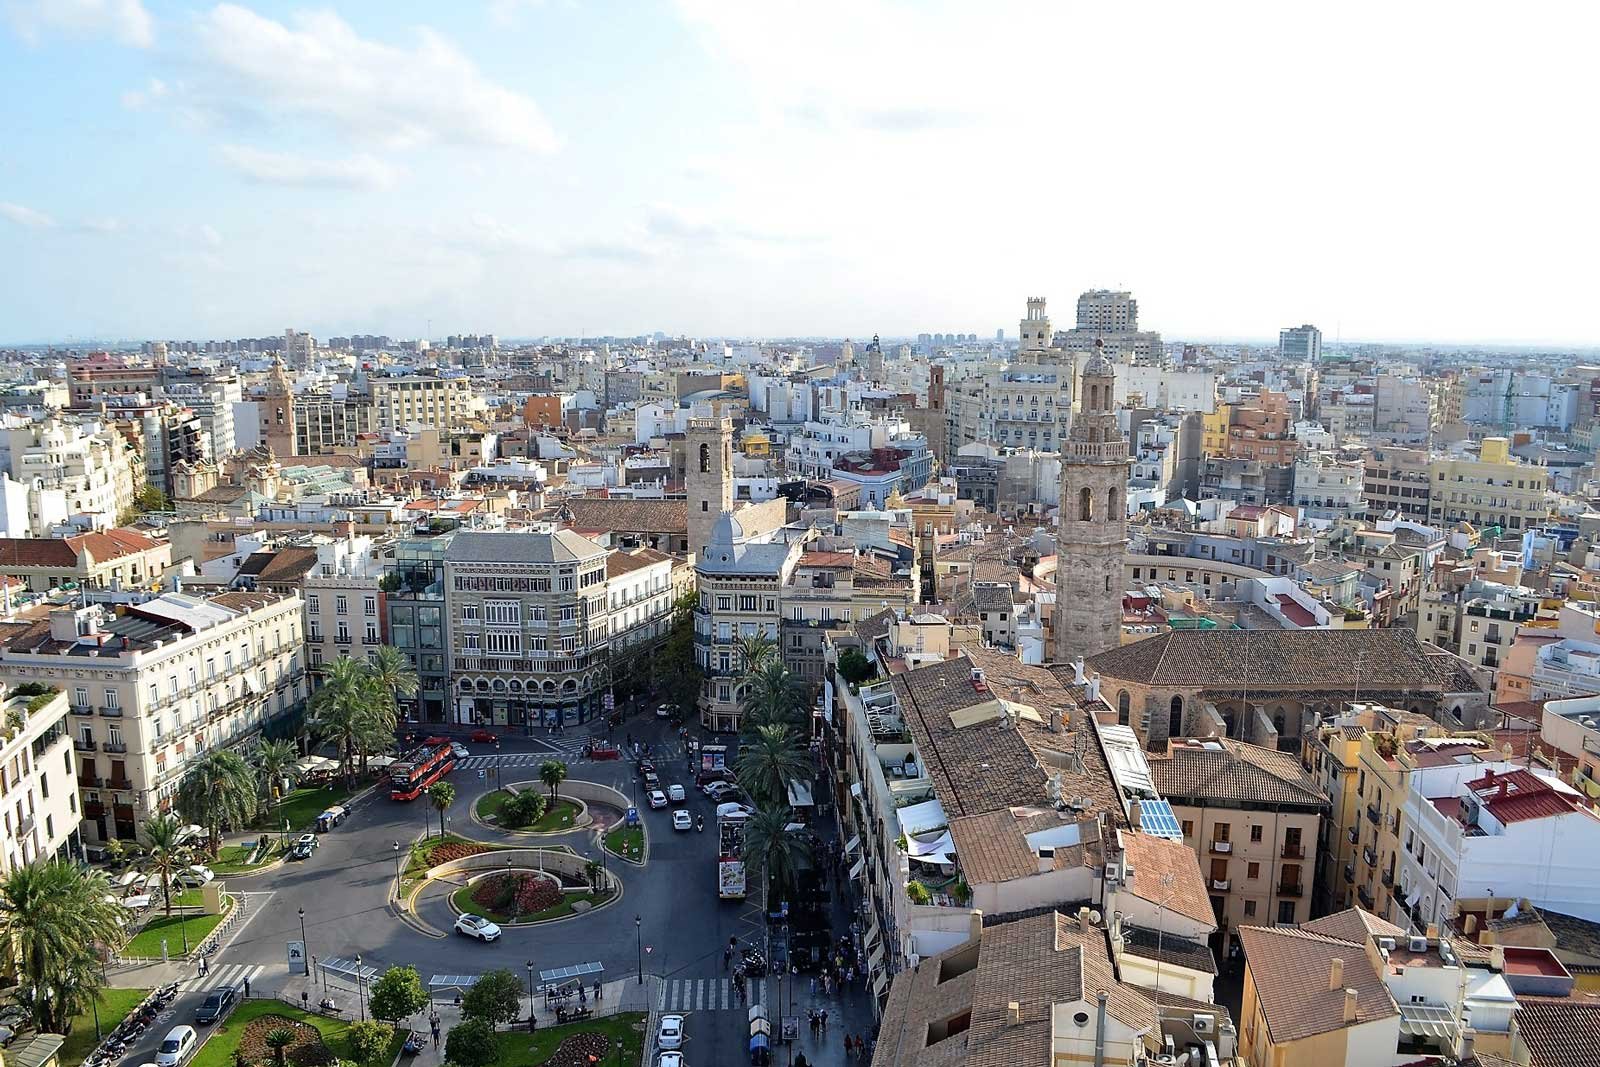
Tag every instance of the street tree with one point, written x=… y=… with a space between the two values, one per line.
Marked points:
x=495 y=998
x=397 y=994
x=773 y=695
x=552 y=772
x=441 y=795
x=219 y=788
x=165 y=855
x=768 y=762
x=472 y=1043
x=341 y=709
x=54 y=919
x=757 y=650
x=273 y=760
x=522 y=809
x=770 y=847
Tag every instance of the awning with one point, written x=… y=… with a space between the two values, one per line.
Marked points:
x=453 y=981
x=381 y=761
x=936 y=848
x=1411 y=901
x=875 y=959
x=254 y=684
x=855 y=789
x=859 y=866
x=561 y=975
x=800 y=795
x=921 y=818
x=880 y=982
x=852 y=844
x=348 y=969
x=873 y=932
x=1423 y=1020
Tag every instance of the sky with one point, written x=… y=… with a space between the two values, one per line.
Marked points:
x=1416 y=171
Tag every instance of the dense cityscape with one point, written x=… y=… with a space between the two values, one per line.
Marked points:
x=686 y=534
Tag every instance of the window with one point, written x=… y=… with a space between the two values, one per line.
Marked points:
x=503 y=612
x=372 y=633
x=113 y=699
x=1249 y=908
x=469 y=643
x=1255 y=832
x=1188 y=828
x=1252 y=870
x=747 y=603
x=341 y=605
x=565 y=584
x=1286 y=911
x=370 y=606
x=503 y=641
x=724 y=602
x=470 y=613
x=313 y=602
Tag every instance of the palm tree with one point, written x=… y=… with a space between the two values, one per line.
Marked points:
x=770 y=847
x=278 y=1039
x=219 y=788
x=52 y=917
x=552 y=772
x=273 y=760
x=768 y=762
x=757 y=650
x=391 y=669
x=341 y=708
x=166 y=854
x=773 y=695
x=441 y=795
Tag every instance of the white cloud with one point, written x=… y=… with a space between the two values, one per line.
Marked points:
x=318 y=67
x=139 y=99
x=286 y=168
x=209 y=236
x=106 y=225
x=26 y=216
x=125 y=20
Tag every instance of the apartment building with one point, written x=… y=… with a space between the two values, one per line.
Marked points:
x=399 y=402
x=1253 y=817
x=1490 y=489
x=1327 y=486
x=829 y=590
x=529 y=627
x=415 y=605
x=114 y=559
x=346 y=616
x=157 y=684
x=326 y=421
x=38 y=785
x=57 y=471
x=642 y=590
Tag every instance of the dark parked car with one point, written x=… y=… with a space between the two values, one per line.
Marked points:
x=217 y=1005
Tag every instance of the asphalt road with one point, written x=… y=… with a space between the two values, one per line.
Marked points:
x=344 y=887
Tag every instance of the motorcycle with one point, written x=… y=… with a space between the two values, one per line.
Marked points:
x=755 y=964
x=699 y=823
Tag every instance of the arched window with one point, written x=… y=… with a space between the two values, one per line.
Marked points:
x=1113 y=504
x=705 y=459
x=1277 y=723
x=1085 y=504
x=1175 y=718
x=1123 y=707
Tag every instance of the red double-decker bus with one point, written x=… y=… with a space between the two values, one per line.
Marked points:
x=418 y=769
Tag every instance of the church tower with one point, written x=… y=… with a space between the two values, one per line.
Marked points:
x=277 y=411
x=1035 y=332
x=708 y=477
x=1094 y=530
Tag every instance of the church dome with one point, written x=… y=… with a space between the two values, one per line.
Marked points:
x=726 y=530
x=1099 y=366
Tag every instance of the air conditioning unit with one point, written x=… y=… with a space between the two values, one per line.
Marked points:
x=1204 y=1024
x=1386 y=943
x=1417 y=944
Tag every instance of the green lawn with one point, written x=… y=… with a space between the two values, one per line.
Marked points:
x=626 y=841
x=554 y=819
x=423 y=855
x=232 y=859
x=219 y=1050
x=302 y=807
x=147 y=942
x=462 y=899
x=115 y=1004
x=518 y=1048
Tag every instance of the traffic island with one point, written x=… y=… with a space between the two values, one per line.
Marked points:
x=562 y=816
x=575 y=878
x=525 y=898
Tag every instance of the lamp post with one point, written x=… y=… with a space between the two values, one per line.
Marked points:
x=497 y=763
x=532 y=1022
x=305 y=948
x=638 y=932
x=183 y=930
x=361 y=995
x=397 y=872
x=94 y=1002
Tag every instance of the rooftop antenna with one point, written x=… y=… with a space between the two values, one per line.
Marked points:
x=1360 y=659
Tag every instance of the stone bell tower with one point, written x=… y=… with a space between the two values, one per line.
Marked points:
x=708 y=476
x=1093 y=534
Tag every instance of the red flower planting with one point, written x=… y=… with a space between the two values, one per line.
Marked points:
x=516 y=893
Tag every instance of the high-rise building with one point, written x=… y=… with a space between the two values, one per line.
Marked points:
x=1106 y=311
x=1300 y=344
x=1092 y=536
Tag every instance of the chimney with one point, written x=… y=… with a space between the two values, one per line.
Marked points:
x=975 y=925
x=1470 y=925
x=1497 y=958
x=1014 y=1012
x=1083 y=919
x=1469 y=1037
x=1335 y=973
x=1488 y=776
x=1134 y=815
x=1077 y=671
x=1433 y=931
x=1350 y=996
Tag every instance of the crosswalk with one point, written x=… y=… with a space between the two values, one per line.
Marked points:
x=667 y=753
x=709 y=994
x=233 y=974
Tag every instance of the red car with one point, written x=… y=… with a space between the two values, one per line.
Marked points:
x=599 y=751
x=483 y=736
x=436 y=739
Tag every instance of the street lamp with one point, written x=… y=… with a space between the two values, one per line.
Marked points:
x=397 y=872
x=361 y=995
x=638 y=932
x=532 y=1022
x=497 y=763
x=305 y=947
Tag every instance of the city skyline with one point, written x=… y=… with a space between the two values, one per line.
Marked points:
x=546 y=169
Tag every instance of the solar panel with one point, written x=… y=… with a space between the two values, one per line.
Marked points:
x=452 y=981
x=566 y=974
x=1156 y=818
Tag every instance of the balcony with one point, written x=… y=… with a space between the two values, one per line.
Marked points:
x=1349 y=872
x=1292 y=889
x=83 y=744
x=119 y=783
x=1222 y=848
x=1293 y=851
x=89 y=781
x=111 y=711
x=1367 y=900
x=1220 y=885
x=115 y=746
x=1370 y=856
x=1372 y=814
x=1354 y=834
x=82 y=709
x=1387 y=878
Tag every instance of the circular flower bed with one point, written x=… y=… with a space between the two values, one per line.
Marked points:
x=307 y=1049
x=516 y=893
x=580 y=1050
x=454 y=851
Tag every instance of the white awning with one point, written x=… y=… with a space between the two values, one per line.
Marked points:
x=852 y=844
x=855 y=789
x=873 y=932
x=859 y=866
x=920 y=818
x=800 y=795
x=1424 y=1020
x=254 y=684
x=880 y=982
x=875 y=959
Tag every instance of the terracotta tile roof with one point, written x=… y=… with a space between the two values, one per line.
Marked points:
x=1232 y=772
x=1290 y=969
x=1279 y=660
x=37 y=552
x=284 y=566
x=828 y=560
x=1561 y=1032
x=1355 y=925
x=992 y=847
x=1165 y=872
x=629 y=516
x=623 y=562
x=1519 y=795
x=1180 y=951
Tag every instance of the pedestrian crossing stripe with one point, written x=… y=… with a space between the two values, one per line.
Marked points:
x=533 y=759
x=708 y=994
x=233 y=974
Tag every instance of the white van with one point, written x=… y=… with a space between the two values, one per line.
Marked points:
x=177 y=1047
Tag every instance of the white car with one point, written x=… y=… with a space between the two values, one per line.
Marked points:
x=670 y=1059
x=658 y=799
x=477 y=926
x=670 y=1035
x=682 y=820
x=458 y=750
x=194 y=876
x=675 y=793
x=664 y=711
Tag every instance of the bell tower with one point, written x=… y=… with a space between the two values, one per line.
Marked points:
x=277 y=411
x=1035 y=332
x=1093 y=534
x=708 y=477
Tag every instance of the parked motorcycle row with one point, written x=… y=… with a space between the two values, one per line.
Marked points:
x=131 y=1028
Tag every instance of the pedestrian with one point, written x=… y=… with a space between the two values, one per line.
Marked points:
x=824 y=1020
x=203 y=969
x=846 y=1046
x=433 y=1025
x=247 y=987
x=305 y=1000
x=813 y=985
x=597 y=990
x=583 y=994
x=727 y=957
